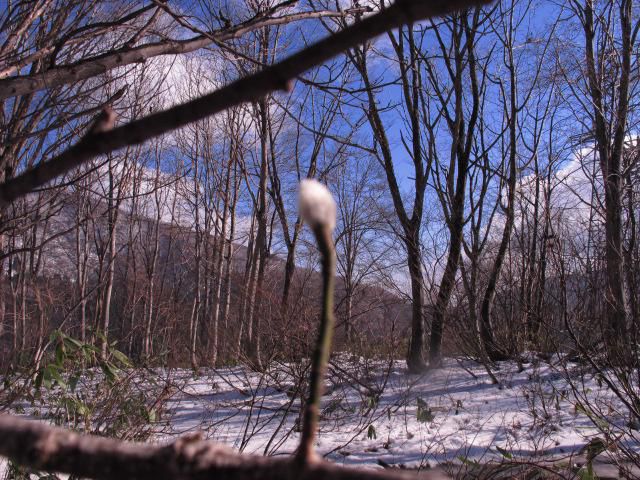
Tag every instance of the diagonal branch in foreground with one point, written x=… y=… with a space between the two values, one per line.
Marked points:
x=251 y=88
x=44 y=448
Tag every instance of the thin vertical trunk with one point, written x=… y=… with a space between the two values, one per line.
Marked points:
x=229 y=256
x=112 y=218
x=23 y=305
x=486 y=329
x=82 y=257
x=148 y=314
x=289 y=271
x=246 y=292
x=261 y=239
x=531 y=318
x=348 y=280
x=195 y=310
x=541 y=281
x=151 y=270
x=217 y=289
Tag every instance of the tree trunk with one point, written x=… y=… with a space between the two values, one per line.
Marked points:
x=610 y=151
x=415 y=355
x=112 y=216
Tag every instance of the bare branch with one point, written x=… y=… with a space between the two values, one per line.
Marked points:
x=90 y=67
x=46 y=448
x=276 y=77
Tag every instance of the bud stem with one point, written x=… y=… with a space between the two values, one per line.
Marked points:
x=323 y=345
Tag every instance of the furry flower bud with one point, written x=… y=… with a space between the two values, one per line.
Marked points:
x=317 y=206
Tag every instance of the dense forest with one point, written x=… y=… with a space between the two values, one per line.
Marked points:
x=482 y=159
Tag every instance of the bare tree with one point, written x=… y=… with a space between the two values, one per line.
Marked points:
x=460 y=62
x=609 y=131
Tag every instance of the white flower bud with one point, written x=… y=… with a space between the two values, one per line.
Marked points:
x=317 y=206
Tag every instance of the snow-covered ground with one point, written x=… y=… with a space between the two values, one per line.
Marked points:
x=376 y=412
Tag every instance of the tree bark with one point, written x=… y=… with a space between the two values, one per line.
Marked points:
x=33 y=444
